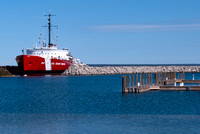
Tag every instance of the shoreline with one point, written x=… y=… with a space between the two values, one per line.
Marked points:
x=82 y=69
x=5 y=73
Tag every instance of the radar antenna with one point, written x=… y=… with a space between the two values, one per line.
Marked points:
x=49 y=28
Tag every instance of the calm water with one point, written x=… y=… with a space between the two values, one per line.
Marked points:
x=93 y=104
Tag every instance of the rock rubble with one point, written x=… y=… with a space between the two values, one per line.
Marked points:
x=82 y=69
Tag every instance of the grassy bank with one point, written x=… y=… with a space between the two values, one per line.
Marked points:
x=5 y=73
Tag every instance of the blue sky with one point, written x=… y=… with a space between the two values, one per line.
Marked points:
x=106 y=31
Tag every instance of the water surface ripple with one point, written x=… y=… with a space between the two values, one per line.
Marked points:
x=93 y=104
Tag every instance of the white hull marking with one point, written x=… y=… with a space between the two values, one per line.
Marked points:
x=48 y=64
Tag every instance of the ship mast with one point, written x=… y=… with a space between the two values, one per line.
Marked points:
x=49 y=28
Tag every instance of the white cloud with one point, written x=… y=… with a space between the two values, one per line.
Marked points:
x=145 y=27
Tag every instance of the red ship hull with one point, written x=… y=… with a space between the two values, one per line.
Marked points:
x=29 y=64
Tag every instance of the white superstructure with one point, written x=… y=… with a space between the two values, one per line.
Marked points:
x=50 y=52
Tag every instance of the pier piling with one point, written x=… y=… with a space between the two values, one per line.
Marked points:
x=157 y=81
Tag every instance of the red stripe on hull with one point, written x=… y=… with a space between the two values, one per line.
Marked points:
x=36 y=63
x=33 y=63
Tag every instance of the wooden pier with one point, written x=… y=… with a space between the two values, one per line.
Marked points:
x=163 y=81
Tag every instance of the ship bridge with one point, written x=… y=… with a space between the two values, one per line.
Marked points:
x=50 y=53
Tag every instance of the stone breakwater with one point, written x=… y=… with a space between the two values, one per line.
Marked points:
x=79 y=69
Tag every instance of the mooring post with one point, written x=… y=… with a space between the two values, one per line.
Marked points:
x=143 y=80
x=126 y=89
x=133 y=81
x=146 y=79
x=174 y=81
x=129 y=88
x=157 y=78
x=149 y=79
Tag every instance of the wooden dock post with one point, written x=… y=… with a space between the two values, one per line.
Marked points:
x=160 y=78
x=133 y=83
x=143 y=81
x=157 y=78
x=126 y=89
x=174 y=81
x=124 y=84
x=129 y=80
x=146 y=79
